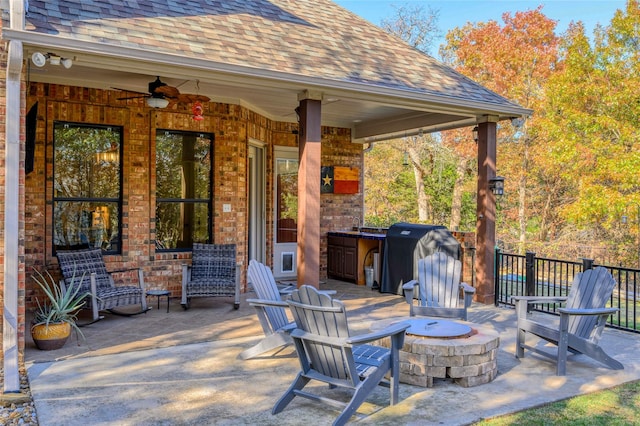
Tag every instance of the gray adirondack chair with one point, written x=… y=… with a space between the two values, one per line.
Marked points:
x=213 y=273
x=329 y=354
x=582 y=320
x=437 y=291
x=270 y=310
x=105 y=294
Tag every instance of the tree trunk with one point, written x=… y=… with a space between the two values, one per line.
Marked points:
x=522 y=198
x=418 y=173
x=456 y=200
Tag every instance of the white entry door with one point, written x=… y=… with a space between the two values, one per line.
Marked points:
x=257 y=217
x=285 y=212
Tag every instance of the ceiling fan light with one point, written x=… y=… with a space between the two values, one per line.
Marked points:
x=157 y=102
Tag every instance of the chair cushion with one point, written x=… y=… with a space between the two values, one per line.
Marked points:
x=75 y=263
x=119 y=296
x=213 y=260
x=212 y=286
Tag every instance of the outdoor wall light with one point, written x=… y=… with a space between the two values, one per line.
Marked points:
x=496 y=185
x=66 y=62
x=474 y=133
x=40 y=59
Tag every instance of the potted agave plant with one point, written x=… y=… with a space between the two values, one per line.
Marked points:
x=56 y=316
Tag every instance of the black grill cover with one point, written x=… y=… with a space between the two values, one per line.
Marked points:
x=405 y=244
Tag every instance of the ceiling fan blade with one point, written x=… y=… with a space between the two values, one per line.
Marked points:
x=202 y=98
x=168 y=91
x=162 y=90
x=191 y=98
x=133 y=97
x=129 y=90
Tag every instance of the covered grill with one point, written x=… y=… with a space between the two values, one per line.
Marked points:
x=404 y=244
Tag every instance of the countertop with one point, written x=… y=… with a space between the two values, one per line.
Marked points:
x=358 y=234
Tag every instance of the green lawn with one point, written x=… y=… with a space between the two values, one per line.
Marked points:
x=615 y=406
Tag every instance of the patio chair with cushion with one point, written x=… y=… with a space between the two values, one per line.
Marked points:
x=438 y=288
x=582 y=320
x=329 y=354
x=89 y=265
x=213 y=273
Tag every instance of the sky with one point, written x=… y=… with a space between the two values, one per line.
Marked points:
x=456 y=13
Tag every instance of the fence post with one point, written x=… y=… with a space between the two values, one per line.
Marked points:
x=530 y=273
x=496 y=275
x=587 y=264
x=530 y=276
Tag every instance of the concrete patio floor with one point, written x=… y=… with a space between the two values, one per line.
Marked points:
x=182 y=368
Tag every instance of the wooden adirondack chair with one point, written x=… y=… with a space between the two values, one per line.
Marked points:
x=105 y=294
x=329 y=354
x=213 y=273
x=582 y=320
x=270 y=309
x=438 y=288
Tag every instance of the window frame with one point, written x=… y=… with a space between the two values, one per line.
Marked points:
x=118 y=200
x=208 y=201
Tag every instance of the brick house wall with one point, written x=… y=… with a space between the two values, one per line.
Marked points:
x=232 y=127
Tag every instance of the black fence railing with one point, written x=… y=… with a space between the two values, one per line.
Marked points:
x=517 y=275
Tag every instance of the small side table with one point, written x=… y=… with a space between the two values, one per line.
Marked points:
x=159 y=294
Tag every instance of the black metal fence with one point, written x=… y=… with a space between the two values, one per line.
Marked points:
x=528 y=275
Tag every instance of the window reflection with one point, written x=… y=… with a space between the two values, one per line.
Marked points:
x=183 y=188
x=87 y=186
x=287 y=199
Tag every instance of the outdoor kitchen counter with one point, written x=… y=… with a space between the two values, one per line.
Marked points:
x=348 y=252
x=359 y=234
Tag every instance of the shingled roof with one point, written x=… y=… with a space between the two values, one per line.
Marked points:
x=314 y=38
x=260 y=53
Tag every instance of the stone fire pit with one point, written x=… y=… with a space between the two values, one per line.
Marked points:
x=437 y=348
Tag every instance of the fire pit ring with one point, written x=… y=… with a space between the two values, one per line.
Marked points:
x=440 y=329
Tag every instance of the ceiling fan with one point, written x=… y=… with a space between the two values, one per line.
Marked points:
x=161 y=95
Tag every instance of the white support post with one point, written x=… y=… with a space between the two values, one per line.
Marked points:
x=11 y=204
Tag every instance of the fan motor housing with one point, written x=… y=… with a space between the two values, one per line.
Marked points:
x=155 y=84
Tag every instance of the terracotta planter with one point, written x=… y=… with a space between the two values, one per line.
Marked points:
x=50 y=337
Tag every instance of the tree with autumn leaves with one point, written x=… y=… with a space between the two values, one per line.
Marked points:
x=515 y=60
x=411 y=179
x=572 y=168
x=592 y=122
